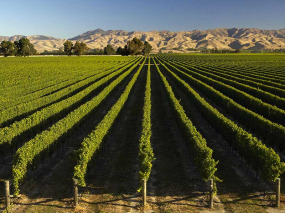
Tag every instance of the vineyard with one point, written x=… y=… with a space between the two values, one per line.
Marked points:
x=165 y=133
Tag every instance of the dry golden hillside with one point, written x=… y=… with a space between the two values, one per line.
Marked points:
x=221 y=38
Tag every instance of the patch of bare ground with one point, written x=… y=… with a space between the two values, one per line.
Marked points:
x=242 y=190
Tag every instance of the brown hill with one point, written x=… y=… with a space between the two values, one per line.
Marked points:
x=220 y=38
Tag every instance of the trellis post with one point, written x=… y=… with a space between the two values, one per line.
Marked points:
x=75 y=190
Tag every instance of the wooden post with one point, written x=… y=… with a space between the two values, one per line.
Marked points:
x=7 y=194
x=211 y=202
x=144 y=192
x=75 y=189
x=278 y=184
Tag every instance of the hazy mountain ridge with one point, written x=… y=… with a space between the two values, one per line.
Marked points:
x=220 y=38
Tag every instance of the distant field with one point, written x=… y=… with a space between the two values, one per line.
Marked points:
x=177 y=120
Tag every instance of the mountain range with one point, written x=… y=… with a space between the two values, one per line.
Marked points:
x=220 y=38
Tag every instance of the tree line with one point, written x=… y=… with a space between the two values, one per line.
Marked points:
x=133 y=47
x=23 y=47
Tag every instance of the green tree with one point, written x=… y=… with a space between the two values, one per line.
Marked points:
x=25 y=47
x=126 y=50
x=79 y=48
x=135 y=46
x=120 y=51
x=7 y=48
x=109 y=50
x=147 y=48
x=68 y=47
x=123 y=51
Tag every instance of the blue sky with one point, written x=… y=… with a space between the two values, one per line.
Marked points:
x=68 y=18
